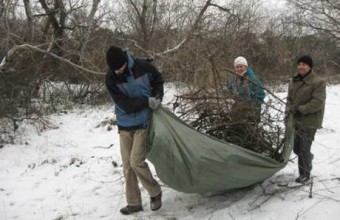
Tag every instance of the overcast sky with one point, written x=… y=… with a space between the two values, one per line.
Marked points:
x=274 y=3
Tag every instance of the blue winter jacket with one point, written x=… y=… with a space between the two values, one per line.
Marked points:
x=249 y=87
x=131 y=90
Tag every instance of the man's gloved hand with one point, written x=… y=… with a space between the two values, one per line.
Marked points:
x=292 y=110
x=295 y=111
x=154 y=103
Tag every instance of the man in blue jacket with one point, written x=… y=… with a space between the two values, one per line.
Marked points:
x=136 y=88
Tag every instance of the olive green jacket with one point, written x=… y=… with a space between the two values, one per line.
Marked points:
x=307 y=98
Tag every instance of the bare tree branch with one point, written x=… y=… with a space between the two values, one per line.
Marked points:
x=90 y=21
x=321 y=15
x=29 y=15
x=188 y=37
x=11 y=52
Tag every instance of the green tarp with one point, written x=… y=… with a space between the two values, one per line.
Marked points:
x=192 y=162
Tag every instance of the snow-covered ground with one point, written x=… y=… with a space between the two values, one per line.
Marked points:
x=72 y=170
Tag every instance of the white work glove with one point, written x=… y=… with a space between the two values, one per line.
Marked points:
x=154 y=103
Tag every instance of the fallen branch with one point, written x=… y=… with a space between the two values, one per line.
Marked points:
x=108 y=147
x=268 y=195
x=40 y=123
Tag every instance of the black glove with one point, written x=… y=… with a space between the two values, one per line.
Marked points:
x=154 y=103
x=295 y=111
x=292 y=110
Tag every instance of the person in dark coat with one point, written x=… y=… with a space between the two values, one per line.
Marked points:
x=136 y=88
x=306 y=101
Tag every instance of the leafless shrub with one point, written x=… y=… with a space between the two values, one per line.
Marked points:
x=225 y=118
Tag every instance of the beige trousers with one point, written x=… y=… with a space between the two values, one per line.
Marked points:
x=133 y=152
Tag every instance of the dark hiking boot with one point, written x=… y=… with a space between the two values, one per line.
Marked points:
x=127 y=210
x=302 y=179
x=156 y=202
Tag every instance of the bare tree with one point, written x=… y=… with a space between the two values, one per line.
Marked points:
x=146 y=15
x=192 y=41
x=89 y=25
x=2 y=7
x=321 y=15
x=57 y=18
x=150 y=18
x=29 y=15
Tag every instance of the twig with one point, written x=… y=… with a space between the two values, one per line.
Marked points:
x=263 y=192
x=326 y=187
x=327 y=197
x=272 y=194
x=264 y=201
x=302 y=212
x=311 y=188
x=298 y=215
x=231 y=216
x=108 y=147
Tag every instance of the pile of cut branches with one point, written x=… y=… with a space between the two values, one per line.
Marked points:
x=228 y=119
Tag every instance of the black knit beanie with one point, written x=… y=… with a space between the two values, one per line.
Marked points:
x=306 y=59
x=115 y=58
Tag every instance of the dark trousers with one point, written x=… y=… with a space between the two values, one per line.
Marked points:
x=302 y=148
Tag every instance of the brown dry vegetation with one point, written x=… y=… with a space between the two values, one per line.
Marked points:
x=191 y=41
